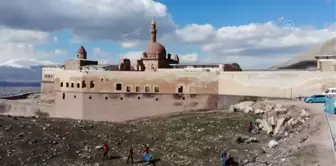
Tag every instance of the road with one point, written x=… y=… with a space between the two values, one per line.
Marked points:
x=332 y=124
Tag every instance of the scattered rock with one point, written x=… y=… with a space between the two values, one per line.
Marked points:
x=303 y=139
x=272 y=144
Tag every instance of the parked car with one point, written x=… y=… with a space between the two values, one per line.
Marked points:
x=315 y=99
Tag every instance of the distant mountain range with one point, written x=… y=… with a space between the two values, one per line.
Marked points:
x=307 y=60
x=23 y=71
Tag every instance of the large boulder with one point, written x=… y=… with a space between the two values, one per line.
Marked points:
x=304 y=114
x=272 y=144
x=245 y=106
x=265 y=126
x=279 y=125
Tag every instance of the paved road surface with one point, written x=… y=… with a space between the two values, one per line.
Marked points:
x=332 y=124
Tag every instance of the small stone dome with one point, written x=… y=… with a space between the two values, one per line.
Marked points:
x=154 y=48
x=81 y=53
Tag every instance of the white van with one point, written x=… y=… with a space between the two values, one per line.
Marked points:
x=330 y=91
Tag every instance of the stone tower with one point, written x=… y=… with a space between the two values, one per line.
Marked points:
x=153 y=32
x=81 y=53
x=155 y=56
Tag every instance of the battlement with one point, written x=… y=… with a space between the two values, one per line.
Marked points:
x=51 y=67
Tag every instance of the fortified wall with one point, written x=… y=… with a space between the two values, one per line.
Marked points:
x=279 y=84
x=122 y=95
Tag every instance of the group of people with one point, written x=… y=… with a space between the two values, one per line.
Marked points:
x=224 y=156
x=145 y=153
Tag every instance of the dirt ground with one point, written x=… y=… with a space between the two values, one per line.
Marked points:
x=190 y=139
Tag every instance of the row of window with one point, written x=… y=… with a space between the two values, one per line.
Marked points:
x=118 y=86
x=72 y=85
x=106 y=98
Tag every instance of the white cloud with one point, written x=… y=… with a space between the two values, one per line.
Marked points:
x=129 y=44
x=99 y=19
x=55 y=38
x=60 y=52
x=188 y=58
x=8 y=35
x=195 y=33
x=20 y=44
x=98 y=52
x=133 y=56
x=253 y=44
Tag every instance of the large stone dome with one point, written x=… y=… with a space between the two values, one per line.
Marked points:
x=155 y=47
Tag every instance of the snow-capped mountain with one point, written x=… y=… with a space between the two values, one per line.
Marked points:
x=25 y=63
x=22 y=70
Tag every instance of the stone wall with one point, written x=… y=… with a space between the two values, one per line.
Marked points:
x=18 y=97
x=120 y=107
x=47 y=92
x=281 y=84
x=20 y=108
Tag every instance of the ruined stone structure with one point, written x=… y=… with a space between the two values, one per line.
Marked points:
x=83 y=89
x=326 y=62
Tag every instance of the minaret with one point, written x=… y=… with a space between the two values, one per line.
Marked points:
x=153 y=31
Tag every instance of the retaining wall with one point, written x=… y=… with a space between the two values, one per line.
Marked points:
x=18 y=97
x=20 y=108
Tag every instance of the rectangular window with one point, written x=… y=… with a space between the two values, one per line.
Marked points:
x=118 y=87
x=147 y=89
x=72 y=85
x=78 y=85
x=63 y=96
x=128 y=88
x=67 y=84
x=137 y=89
x=156 y=89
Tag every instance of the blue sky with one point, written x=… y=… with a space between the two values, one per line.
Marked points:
x=238 y=12
x=210 y=15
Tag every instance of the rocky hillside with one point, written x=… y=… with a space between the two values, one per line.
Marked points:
x=298 y=136
x=307 y=60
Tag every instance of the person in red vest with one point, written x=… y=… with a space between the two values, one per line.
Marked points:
x=250 y=127
x=130 y=155
x=146 y=149
x=105 y=151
